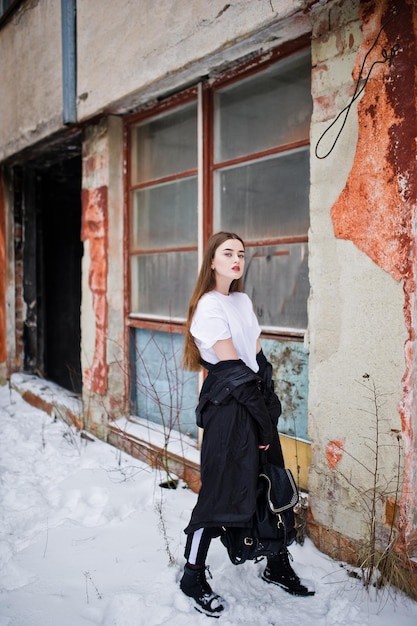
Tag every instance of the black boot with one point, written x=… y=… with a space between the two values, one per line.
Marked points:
x=279 y=572
x=194 y=584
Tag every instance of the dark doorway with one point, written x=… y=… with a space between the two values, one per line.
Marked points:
x=60 y=196
x=52 y=269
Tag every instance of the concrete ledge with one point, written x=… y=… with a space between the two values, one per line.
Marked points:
x=156 y=456
x=128 y=435
x=49 y=397
x=175 y=453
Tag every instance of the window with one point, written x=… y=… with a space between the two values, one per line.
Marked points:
x=261 y=184
x=163 y=227
x=254 y=173
x=6 y=8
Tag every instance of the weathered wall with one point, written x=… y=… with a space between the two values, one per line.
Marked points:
x=361 y=192
x=30 y=57
x=150 y=47
x=103 y=360
x=127 y=53
x=10 y=295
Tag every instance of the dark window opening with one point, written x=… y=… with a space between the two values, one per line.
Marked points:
x=52 y=271
x=7 y=7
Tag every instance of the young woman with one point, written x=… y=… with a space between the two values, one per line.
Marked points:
x=238 y=412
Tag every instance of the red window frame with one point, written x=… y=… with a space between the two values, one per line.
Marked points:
x=251 y=66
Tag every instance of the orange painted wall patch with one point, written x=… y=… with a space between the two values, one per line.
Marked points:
x=334 y=452
x=95 y=229
x=373 y=209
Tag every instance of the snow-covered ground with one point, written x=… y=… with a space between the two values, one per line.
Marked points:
x=87 y=537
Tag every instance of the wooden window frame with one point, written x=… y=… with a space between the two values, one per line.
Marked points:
x=203 y=93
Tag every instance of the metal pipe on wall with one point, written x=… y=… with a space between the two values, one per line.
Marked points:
x=69 y=60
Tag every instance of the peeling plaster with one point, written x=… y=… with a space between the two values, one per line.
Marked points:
x=374 y=209
x=334 y=452
x=95 y=229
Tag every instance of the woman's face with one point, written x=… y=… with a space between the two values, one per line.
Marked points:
x=228 y=262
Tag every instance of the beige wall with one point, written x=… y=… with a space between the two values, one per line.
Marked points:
x=103 y=358
x=356 y=316
x=142 y=49
x=30 y=66
x=127 y=53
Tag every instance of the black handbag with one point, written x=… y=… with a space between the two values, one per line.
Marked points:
x=273 y=522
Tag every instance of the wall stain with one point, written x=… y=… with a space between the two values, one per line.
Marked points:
x=95 y=229
x=334 y=452
x=290 y=365
x=373 y=209
x=376 y=209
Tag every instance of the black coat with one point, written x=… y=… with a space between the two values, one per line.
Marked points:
x=238 y=412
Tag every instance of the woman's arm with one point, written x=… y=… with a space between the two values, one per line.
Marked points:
x=225 y=350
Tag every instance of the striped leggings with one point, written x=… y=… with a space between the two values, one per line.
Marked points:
x=197 y=545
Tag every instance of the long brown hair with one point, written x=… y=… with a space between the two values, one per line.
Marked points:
x=206 y=282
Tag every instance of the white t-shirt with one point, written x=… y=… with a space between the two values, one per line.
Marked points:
x=222 y=317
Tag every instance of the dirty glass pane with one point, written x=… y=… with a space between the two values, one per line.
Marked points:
x=276 y=279
x=5 y=4
x=290 y=364
x=163 y=392
x=162 y=283
x=165 y=145
x=264 y=199
x=272 y=108
x=165 y=215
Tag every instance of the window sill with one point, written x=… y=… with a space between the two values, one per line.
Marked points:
x=146 y=441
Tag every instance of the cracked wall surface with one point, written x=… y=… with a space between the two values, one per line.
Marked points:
x=376 y=209
x=103 y=350
x=362 y=271
x=95 y=230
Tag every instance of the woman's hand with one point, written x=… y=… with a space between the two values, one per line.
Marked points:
x=264 y=447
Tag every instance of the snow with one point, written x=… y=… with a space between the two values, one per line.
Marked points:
x=87 y=537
